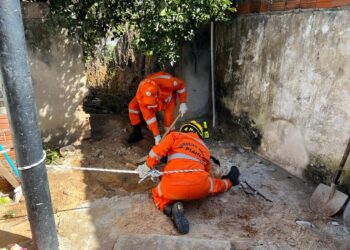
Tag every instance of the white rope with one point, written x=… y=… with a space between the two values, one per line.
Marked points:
x=153 y=173
x=182 y=171
x=35 y=163
x=121 y=171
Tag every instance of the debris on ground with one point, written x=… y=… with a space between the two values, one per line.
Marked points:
x=67 y=150
x=107 y=207
x=305 y=224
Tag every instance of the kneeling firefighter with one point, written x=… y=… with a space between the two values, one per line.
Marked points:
x=186 y=152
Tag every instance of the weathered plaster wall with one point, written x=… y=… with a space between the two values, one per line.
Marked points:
x=194 y=69
x=58 y=78
x=289 y=72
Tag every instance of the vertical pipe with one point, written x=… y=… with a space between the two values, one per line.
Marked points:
x=9 y=161
x=212 y=72
x=21 y=108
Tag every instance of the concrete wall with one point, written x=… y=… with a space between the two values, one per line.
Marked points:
x=58 y=78
x=289 y=72
x=194 y=69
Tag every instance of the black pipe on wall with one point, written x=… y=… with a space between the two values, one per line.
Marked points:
x=21 y=108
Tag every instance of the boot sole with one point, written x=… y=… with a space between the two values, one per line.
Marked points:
x=179 y=218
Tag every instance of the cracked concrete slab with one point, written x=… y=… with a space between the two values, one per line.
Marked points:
x=159 y=242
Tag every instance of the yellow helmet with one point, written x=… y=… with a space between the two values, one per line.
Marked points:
x=192 y=126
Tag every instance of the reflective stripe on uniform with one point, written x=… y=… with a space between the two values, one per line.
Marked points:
x=162 y=77
x=211 y=185
x=226 y=183
x=180 y=91
x=152 y=106
x=153 y=155
x=134 y=111
x=160 y=194
x=182 y=156
x=152 y=120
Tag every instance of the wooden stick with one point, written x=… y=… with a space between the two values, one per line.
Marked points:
x=256 y=191
x=171 y=126
x=143 y=159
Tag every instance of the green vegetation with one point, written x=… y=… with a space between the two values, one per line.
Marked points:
x=52 y=155
x=160 y=27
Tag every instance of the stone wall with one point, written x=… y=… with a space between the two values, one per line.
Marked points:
x=288 y=74
x=59 y=79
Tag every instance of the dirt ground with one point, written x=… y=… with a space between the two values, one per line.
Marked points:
x=102 y=206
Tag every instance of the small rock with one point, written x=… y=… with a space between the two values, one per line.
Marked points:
x=304 y=224
x=98 y=152
x=247 y=148
x=334 y=223
x=101 y=156
x=241 y=150
x=67 y=150
x=223 y=200
x=292 y=243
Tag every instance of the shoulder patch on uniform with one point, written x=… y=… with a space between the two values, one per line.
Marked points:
x=175 y=83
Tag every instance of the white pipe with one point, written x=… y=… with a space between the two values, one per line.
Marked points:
x=212 y=71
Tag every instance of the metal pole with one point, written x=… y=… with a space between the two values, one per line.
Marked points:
x=212 y=72
x=21 y=108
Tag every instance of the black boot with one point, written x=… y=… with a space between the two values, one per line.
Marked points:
x=136 y=134
x=179 y=219
x=233 y=176
x=167 y=210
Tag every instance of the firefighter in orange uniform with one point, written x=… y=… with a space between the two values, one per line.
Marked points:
x=186 y=151
x=157 y=92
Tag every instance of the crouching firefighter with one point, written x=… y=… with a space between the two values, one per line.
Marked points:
x=156 y=93
x=186 y=174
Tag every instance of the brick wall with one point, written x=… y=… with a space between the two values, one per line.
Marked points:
x=5 y=137
x=7 y=143
x=258 y=6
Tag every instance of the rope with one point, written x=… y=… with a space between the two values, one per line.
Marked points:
x=153 y=173
x=35 y=163
x=121 y=171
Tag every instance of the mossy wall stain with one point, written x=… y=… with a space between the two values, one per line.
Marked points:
x=286 y=72
x=323 y=170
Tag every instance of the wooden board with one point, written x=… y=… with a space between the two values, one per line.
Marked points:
x=8 y=176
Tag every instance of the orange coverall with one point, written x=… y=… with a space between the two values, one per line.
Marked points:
x=157 y=92
x=185 y=151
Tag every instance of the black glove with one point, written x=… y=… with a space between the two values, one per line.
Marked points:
x=164 y=159
x=233 y=176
